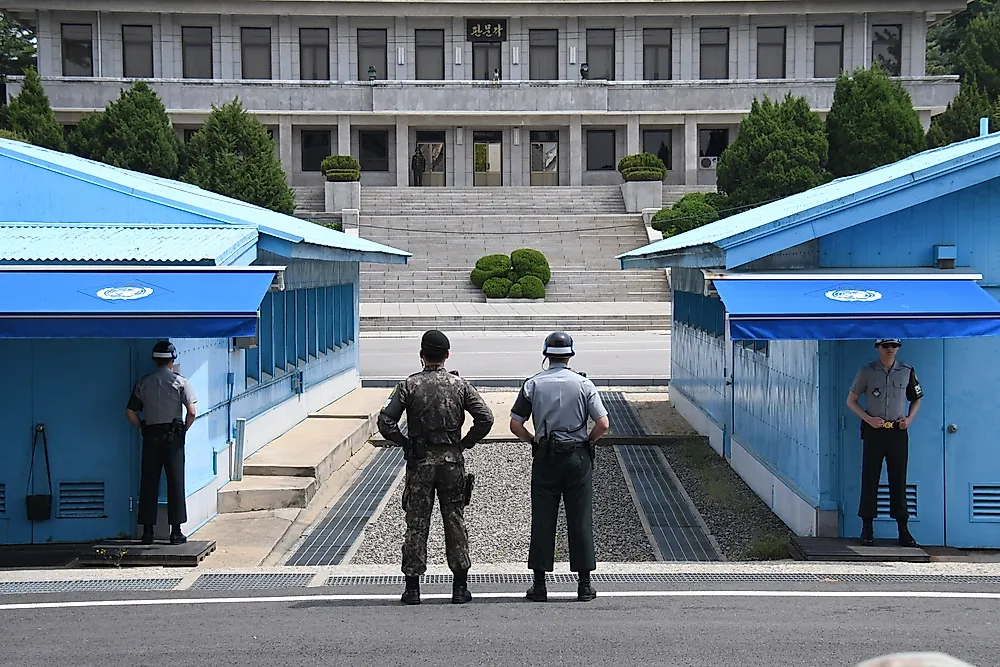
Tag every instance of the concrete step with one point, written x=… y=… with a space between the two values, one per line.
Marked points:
x=316 y=447
x=253 y=494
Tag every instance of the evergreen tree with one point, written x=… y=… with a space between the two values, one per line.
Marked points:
x=233 y=155
x=944 y=37
x=30 y=115
x=978 y=56
x=17 y=48
x=781 y=150
x=133 y=132
x=871 y=123
x=961 y=120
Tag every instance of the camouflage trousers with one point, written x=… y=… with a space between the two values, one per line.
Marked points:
x=422 y=480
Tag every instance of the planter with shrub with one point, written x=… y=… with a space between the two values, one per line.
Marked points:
x=643 y=174
x=522 y=275
x=343 y=183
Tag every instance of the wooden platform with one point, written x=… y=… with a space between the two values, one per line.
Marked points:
x=850 y=550
x=125 y=553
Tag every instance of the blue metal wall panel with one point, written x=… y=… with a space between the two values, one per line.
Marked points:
x=776 y=409
x=697 y=369
x=968 y=219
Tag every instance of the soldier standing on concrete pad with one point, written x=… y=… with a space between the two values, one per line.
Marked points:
x=161 y=396
x=887 y=385
x=435 y=402
x=559 y=401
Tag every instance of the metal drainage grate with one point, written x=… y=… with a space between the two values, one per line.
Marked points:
x=235 y=582
x=333 y=538
x=673 y=522
x=624 y=420
x=15 y=587
x=430 y=579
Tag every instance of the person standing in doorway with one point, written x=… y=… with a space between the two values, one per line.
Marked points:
x=435 y=402
x=418 y=163
x=892 y=399
x=162 y=397
x=559 y=402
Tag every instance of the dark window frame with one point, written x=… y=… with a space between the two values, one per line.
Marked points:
x=712 y=134
x=187 y=45
x=252 y=45
x=713 y=47
x=651 y=49
x=312 y=155
x=771 y=45
x=543 y=54
x=599 y=43
x=429 y=55
x=668 y=163
x=826 y=43
x=369 y=163
x=888 y=45
x=600 y=134
x=132 y=44
x=370 y=42
x=314 y=54
x=480 y=59
x=68 y=43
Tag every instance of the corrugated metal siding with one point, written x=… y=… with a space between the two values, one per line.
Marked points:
x=776 y=408
x=968 y=219
x=106 y=243
x=697 y=365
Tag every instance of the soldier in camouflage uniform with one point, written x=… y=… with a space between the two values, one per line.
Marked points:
x=435 y=402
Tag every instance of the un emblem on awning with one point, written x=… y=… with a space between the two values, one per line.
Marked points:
x=124 y=293
x=853 y=295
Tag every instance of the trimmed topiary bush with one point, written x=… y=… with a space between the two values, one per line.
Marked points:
x=529 y=262
x=531 y=287
x=341 y=168
x=497 y=288
x=490 y=266
x=516 y=291
x=479 y=277
x=689 y=212
x=642 y=167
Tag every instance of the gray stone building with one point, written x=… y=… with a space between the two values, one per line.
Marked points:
x=519 y=93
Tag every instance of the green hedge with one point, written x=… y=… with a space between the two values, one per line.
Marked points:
x=531 y=287
x=689 y=212
x=497 y=288
x=642 y=167
x=516 y=291
x=13 y=136
x=528 y=262
x=490 y=266
x=522 y=275
x=341 y=168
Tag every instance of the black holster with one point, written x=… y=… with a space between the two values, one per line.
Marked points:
x=470 y=483
x=415 y=451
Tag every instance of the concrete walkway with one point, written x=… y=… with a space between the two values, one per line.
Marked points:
x=515 y=309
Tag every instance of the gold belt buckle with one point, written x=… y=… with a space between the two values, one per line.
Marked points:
x=888 y=424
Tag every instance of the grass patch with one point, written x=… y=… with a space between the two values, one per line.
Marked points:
x=768 y=547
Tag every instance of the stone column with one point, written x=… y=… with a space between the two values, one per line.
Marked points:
x=633 y=144
x=343 y=135
x=575 y=150
x=344 y=49
x=690 y=150
x=800 y=36
x=286 y=38
x=402 y=152
x=285 y=144
x=916 y=64
x=170 y=63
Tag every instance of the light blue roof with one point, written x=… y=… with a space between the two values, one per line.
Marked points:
x=714 y=239
x=193 y=200
x=217 y=244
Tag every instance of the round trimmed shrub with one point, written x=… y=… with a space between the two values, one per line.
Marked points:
x=495 y=265
x=531 y=287
x=642 y=174
x=497 y=288
x=341 y=168
x=689 y=212
x=642 y=167
x=479 y=277
x=516 y=291
x=529 y=262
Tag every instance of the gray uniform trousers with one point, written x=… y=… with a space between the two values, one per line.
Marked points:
x=570 y=477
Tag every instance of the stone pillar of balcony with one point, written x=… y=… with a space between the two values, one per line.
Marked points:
x=801 y=49
x=286 y=39
x=169 y=67
x=285 y=144
x=229 y=43
x=47 y=29
x=343 y=135
x=575 y=150
x=402 y=152
x=343 y=49
x=690 y=150
x=632 y=143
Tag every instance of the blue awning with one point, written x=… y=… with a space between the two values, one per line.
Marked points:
x=838 y=309
x=60 y=302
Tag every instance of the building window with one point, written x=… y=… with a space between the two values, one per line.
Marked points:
x=543 y=55
x=196 y=47
x=715 y=53
x=711 y=143
x=658 y=143
x=887 y=48
x=657 y=54
x=372 y=53
x=828 y=51
x=601 y=155
x=601 y=53
x=255 y=45
x=189 y=134
x=429 y=54
x=373 y=150
x=77 y=49
x=314 y=54
x=137 y=51
x=315 y=147
x=771 y=53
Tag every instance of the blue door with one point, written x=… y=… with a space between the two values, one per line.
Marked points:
x=925 y=479
x=972 y=446
x=77 y=390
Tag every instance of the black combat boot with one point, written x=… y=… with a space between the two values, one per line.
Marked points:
x=584 y=591
x=147 y=534
x=176 y=536
x=538 y=592
x=460 y=588
x=412 y=593
x=867 y=534
x=905 y=539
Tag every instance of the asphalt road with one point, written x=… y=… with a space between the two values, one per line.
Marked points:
x=689 y=629
x=628 y=355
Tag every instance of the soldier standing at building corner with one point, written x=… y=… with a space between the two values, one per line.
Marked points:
x=559 y=401
x=887 y=385
x=435 y=402
x=418 y=164
x=162 y=396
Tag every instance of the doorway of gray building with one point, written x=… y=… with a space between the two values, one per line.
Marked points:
x=488 y=156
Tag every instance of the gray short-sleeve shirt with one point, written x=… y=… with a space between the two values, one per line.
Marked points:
x=887 y=393
x=161 y=396
x=559 y=401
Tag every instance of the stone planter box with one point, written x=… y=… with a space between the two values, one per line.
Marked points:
x=639 y=195
x=509 y=300
x=342 y=195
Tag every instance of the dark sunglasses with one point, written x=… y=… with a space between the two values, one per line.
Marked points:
x=889 y=346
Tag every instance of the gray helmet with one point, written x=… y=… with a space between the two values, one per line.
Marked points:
x=558 y=344
x=164 y=350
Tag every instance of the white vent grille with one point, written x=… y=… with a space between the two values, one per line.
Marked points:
x=986 y=502
x=81 y=500
x=883 y=500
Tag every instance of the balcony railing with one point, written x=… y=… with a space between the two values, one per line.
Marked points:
x=478 y=97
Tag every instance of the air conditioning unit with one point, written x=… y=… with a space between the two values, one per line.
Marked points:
x=709 y=163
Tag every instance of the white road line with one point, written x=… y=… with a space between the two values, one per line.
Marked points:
x=498 y=595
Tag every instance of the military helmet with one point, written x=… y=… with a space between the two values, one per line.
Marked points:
x=164 y=350
x=558 y=344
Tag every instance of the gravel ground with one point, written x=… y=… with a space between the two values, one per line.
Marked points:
x=499 y=516
x=745 y=528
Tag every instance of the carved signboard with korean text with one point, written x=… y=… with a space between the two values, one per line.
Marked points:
x=486 y=30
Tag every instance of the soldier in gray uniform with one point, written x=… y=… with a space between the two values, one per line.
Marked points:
x=435 y=402
x=559 y=401
x=888 y=386
x=161 y=397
